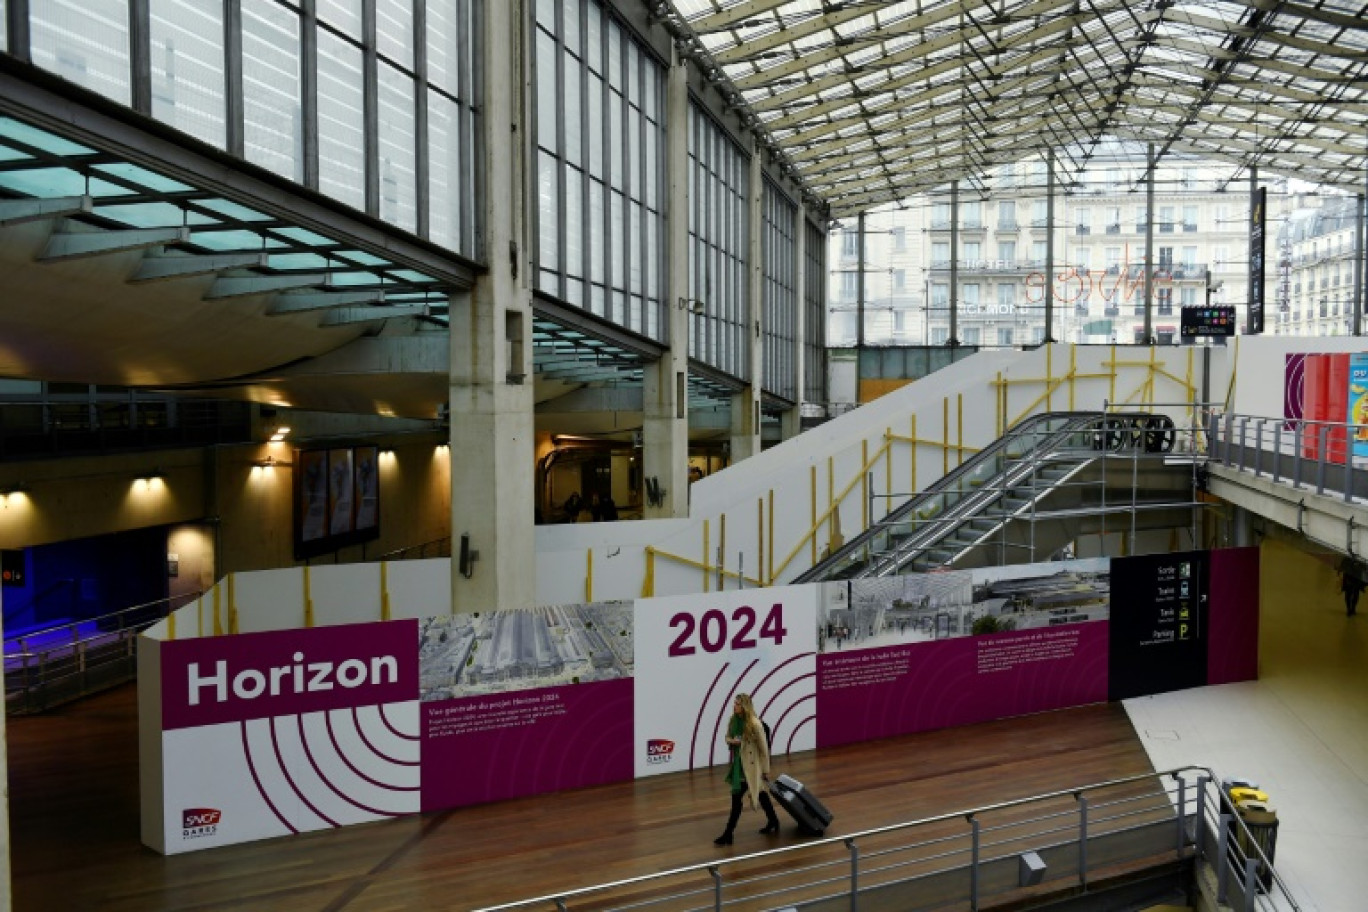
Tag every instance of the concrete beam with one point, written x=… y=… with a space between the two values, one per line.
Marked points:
x=72 y=245
x=160 y=268
x=18 y=211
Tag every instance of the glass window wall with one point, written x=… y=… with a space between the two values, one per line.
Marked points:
x=719 y=226
x=781 y=293
x=599 y=164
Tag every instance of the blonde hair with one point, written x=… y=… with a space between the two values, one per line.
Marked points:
x=753 y=726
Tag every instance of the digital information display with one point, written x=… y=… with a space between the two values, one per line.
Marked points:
x=1208 y=321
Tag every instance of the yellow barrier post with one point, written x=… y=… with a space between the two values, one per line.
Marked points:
x=308 y=599
x=812 y=477
x=384 y=591
x=589 y=575
x=232 y=603
x=704 y=562
x=218 y=621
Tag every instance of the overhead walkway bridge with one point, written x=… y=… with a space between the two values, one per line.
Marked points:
x=1049 y=479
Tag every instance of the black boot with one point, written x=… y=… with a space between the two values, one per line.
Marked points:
x=726 y=838
x=772 y=820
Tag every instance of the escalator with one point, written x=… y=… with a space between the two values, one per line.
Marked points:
x=1048 y=479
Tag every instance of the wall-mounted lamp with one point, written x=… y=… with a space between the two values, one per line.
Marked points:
x=154 y=475
x=280 y=433
x=8 y=491
x=270 y=462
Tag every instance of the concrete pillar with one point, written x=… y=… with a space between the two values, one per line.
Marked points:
x=492 y=447
x=665 y=393
x=791 y=421
x=745 y=405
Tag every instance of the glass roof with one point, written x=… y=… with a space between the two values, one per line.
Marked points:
x=37 y=164
x=868 y=102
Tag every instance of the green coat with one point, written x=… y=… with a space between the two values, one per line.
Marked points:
x=750 y=761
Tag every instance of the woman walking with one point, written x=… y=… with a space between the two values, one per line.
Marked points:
x=748 y=772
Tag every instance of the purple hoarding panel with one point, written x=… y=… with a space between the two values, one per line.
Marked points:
x=504 y=745
x=879 y=693
x=1233 y=638
x=287 y=672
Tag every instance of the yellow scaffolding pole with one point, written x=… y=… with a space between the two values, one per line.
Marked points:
x=232 y=603
x=218 y=621
x=308 y=599
x=385 y=612
x=589 y=575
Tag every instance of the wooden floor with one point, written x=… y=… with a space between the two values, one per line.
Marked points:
x=73 y=777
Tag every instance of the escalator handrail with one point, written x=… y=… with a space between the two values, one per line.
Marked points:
x=1075 y=421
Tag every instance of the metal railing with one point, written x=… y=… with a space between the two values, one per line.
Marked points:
x=1316 y=455
x=1006 y=482
x=1077 y=841
x=54 y=665
x=438 y=547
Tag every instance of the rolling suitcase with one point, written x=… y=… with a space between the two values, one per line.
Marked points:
x=803 y=806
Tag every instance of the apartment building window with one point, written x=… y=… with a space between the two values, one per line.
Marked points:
x=940 y=295
x=1187 y=297
x=1083 y=221
x=1004 y=335
x=1040 y=215
x=1113 y=215
x=1166 y=258
x=970 y=294
x=973 y=214
x=900 y=280
x=1007 y=253
x=1189 y=218
x=1038 y=253
x=973 y=335
x=1113 y=260
x=1007 y=215
x=1006 y=176
x=1166 y=219
x=1141 y=219
x=900 y=238
x=850 y=286
x=1219 y=255
x=1037 y=335
x=1189 y=179
x=940 y=254
x=940 y=335
x=1083 y=258
x=940 y=216
x=1189 y=260
x=1006 y=298
x=850 y=243
x=1164 y=300
x=973 y=254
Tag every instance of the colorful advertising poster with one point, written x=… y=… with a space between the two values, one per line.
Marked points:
x=1158 y=623
x=914 y=653
x=341 y=482
x=698 y=651
x=1358 y=403
x=523 y=702
x=367 y=487
x=313 y=495
x=267 y=734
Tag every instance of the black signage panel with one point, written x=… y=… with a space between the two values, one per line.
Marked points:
x=12 y=568
x=1158 y=623
x=1256 y=260
x=1217 y=320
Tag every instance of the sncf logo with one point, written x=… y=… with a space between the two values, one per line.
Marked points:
x=659 y=750
x=200 y=822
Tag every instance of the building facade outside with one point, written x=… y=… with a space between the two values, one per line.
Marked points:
x=1201 y=231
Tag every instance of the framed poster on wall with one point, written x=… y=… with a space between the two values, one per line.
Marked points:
x=337 y=499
